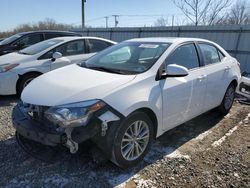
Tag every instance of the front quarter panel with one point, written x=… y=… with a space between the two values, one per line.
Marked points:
x=140 y=93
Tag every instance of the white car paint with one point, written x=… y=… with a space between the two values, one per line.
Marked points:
x=32 y=63
x=173 y=100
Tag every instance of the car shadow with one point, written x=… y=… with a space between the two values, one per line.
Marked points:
x=80 y=169
x=8 y=100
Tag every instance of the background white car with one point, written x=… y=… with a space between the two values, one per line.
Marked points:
x=127 y=95
x=18 y=69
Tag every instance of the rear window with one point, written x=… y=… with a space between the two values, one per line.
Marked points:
x=97 y=45
x=210 y=54
x=10 y=39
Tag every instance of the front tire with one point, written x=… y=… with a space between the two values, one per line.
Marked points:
x=228 y=100
x=24 y=81
x=132 y=140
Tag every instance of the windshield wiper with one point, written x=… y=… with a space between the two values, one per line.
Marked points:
x=106 y=69
x=24 y=53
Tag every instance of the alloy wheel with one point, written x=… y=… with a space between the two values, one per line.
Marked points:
x=135 y=140
x=229 y=98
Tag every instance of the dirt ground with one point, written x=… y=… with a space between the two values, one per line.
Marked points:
x=209 y=151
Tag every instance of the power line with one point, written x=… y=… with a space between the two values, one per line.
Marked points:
x=95 y=19
x=116 y=21
x=136 y=20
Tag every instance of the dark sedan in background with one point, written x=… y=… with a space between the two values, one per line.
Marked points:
x=22 y=40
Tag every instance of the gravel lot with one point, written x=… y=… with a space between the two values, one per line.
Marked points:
x=209 y=151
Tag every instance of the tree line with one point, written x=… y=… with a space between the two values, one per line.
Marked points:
x=212 y=12
x=197 y=12
x=47 y=24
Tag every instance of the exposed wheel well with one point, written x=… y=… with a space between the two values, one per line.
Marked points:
x=235 y=83
x=152 y=117
x=21 y=76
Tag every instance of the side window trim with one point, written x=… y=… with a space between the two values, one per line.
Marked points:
x=87 y=46
x=220 y=52
x=199 y=53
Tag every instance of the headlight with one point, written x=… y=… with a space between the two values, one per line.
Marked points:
x=7 y=67
x=75 y=114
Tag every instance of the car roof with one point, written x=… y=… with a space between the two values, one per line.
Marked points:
x=69 y=38
x=48 y=31
x=167 y=39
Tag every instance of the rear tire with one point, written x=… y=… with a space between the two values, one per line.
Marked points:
x=132 y=140
x=228 y=100
x=24 y=81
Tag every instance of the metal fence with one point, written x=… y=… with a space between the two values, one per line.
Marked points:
x=234 y=38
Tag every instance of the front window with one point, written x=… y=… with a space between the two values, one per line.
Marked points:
x=76 y=47
x=128 y=57
x=39 y=47
x=185 y=56
x=28 y=40
x=10 y=39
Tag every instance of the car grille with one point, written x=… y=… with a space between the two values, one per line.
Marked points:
x=36 y=113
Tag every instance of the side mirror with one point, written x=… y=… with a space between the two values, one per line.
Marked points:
x=18 y=45
x=174 y=70
x=56 y=55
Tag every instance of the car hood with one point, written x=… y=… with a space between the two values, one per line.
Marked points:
x=13 y=58
x=72 y=84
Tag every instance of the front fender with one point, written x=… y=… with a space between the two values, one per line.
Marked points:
x=142 y=94
x=27 y=70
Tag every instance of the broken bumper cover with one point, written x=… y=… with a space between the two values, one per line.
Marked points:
x=34 y=130
x=244 y=87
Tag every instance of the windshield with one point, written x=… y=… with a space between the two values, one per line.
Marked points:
x=127 y=57
x=39 y=47
x=10 y=39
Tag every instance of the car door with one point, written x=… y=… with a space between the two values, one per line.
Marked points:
x=217 y=71
x=183 y=97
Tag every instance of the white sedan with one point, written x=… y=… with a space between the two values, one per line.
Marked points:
x=18 y=69
x=127 y=95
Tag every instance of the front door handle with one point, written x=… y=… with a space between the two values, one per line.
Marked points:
x=227 y=68
x=202 y=77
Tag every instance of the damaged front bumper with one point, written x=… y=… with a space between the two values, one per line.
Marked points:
x=244 y=86
x=47 y=133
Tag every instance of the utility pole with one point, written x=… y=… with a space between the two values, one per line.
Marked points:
x=116 y=21
x=107 y=19
x=173 y=21
x=83 y=14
